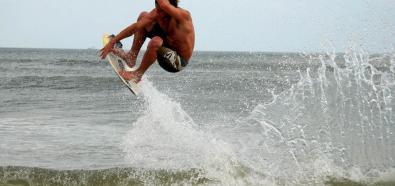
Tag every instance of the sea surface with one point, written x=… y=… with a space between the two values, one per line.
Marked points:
x=229 y=118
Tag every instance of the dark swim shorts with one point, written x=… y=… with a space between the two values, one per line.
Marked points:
x=156 y=31
x=169 y=60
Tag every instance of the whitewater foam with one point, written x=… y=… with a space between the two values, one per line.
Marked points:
x=166 y=137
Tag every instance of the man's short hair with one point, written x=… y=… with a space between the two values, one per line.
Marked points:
x=174 y=2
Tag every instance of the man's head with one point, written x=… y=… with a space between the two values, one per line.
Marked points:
x=172 y=2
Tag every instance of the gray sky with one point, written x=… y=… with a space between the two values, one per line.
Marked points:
x=220 y=25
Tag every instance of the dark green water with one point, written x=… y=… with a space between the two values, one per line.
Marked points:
x=26 y=176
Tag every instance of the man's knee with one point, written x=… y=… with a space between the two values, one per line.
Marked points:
x=155 y=43
x=142 y=14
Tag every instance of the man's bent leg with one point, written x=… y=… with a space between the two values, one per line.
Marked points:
x=148 y=59
x=138 y=41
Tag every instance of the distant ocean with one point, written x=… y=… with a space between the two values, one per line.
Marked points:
x=229 y=118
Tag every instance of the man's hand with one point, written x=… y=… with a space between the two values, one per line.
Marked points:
x=107 y=49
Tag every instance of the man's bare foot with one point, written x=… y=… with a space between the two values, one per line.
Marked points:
x=125 y=56
x=132 y=75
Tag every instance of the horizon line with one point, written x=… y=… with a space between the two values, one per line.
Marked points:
x=241 y=51
x=219 y=51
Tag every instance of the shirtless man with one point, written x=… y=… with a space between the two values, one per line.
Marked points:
x=172 y=39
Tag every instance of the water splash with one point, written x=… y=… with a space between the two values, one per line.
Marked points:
x=336 y=121
x=166 y=137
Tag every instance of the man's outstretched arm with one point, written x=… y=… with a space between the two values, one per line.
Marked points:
x=127 y=32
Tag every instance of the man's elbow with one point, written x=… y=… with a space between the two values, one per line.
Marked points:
x=134 y=27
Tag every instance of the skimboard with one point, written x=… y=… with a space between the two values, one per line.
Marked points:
x=119 y=64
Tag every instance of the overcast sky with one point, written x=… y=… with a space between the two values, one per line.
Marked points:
x=220 y=25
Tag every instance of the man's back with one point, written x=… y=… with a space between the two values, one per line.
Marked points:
x=179 y=29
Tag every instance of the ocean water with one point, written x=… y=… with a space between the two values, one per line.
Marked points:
x=230 y=118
